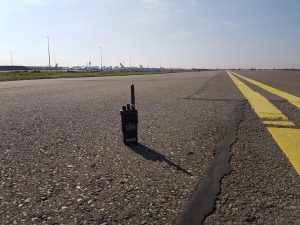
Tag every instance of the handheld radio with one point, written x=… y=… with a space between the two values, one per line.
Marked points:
x=129 y=119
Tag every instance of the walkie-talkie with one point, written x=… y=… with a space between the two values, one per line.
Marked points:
x=129 y=118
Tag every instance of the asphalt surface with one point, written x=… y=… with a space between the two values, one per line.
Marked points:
x=263 y=187
x=288 y=81
x=63 y=161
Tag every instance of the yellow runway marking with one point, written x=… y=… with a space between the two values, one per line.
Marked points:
x=288 y=139
x=280 y=123
x=294 y=100
x=263 y=108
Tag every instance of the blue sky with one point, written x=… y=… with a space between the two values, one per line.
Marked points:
x=189 y=33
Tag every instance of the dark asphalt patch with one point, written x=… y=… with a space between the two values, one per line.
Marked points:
x=202 y=202
x=203 y=87
x=263 y=187
x=218 y=88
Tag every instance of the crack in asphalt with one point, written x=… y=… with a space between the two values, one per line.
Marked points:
x=202 y=88
x=202 y=202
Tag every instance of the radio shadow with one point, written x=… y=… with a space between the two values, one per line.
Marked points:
x=152 y=155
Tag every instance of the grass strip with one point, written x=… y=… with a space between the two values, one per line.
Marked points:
x=10 y=76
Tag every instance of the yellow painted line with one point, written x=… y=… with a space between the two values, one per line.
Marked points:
x=262 y=107
x=280 y=123
x=289 y=141
x=294 y=100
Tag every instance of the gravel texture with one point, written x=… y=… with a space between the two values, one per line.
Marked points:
x=63 y=161
x=263 y=187
x=202 y=202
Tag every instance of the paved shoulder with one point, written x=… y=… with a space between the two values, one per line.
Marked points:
x=264 y=186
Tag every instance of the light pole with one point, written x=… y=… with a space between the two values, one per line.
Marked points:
x=101 y=55
x=48 y=49
x=130 y=59
x=55 y=64
x=11 y=58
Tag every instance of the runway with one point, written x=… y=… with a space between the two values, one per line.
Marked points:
x=63 y=161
